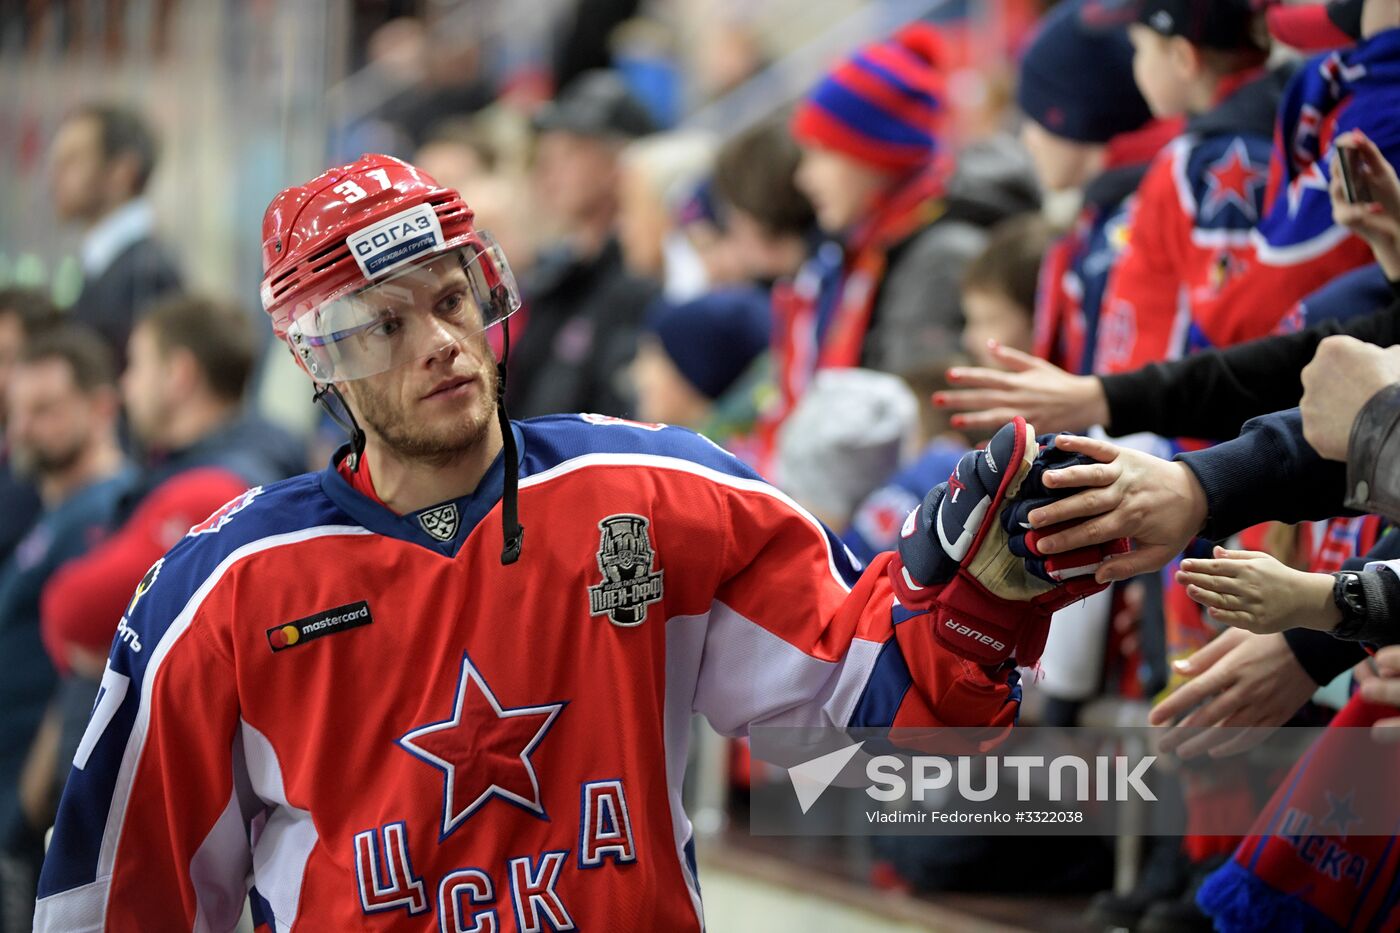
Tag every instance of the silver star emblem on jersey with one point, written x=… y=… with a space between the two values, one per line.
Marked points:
x=440 y=522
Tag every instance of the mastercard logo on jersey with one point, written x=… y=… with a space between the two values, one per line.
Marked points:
x=339 y=619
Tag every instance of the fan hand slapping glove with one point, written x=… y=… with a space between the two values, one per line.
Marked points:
x=967 y=554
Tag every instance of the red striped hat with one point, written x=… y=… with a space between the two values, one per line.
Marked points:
x=884 y=106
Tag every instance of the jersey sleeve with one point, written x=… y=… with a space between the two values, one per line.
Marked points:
x=798 y=635
x=152 y=832
x=1143 y=301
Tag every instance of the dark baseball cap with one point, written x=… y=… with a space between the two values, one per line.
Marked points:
x=596 y=103
x=1317 y=27
x=1226 y=25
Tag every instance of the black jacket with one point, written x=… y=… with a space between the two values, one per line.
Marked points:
x=1268 y=473
x=581 y=327
x=111 y=302
x=1211 y=394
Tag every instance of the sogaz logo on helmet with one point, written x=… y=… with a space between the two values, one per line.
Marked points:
x=388 y=244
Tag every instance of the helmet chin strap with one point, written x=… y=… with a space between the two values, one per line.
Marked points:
x=511 y=529
x=344 y=417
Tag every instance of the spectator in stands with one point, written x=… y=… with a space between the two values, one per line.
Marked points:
x=1088 y=130
x=184 y=391
x=999 y=287
x=484 y=157
x=701 y=225
x=584 y=307
x=998 y=298
x=191 y=359
x=61 y=426
x=848 y=435
x=101 y=163
x=701 y=364
x=23 y=315
x=767 y=218
x=730 y=50
x=658 y=173
x=881 y=178
x=1212 y=394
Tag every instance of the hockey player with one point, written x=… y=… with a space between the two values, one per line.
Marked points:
x=342 y=691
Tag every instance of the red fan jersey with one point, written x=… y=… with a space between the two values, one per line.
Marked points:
x=365 y=722
x=1189 y=234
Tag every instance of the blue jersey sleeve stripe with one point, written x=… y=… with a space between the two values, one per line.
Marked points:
x=889 y=681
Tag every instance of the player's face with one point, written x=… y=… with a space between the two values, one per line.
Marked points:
x=442 y=401
x=50 y=419
x=76 y=170
x=841 y=190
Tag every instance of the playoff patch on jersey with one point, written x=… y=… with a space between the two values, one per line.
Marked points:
x=385 y=246
x=339 y=619
x=625 y=557
x=441 y=522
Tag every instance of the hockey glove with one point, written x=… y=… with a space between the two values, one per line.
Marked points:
x=991 y=603
x=1024 y=540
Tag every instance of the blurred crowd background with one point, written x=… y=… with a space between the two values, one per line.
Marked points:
x=777 y=222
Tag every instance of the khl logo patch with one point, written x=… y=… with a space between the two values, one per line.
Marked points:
x=629 y=584
x=440 y=522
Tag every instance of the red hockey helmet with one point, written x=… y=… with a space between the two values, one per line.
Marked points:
x=373 y=264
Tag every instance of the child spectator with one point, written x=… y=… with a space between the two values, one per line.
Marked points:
x=880 y=178
x=1298 y=246
x=768 y=221
x=998 y=295
x=700 y=363
x=657 y=173
x=1189 y=231
x=847 y=436
x=1087 y=129
x=999 y=288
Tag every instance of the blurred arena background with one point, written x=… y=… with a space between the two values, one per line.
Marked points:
x=247 y=97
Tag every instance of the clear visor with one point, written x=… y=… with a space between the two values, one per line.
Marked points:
x=447 y=299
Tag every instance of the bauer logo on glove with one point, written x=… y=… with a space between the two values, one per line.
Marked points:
x=967 y=553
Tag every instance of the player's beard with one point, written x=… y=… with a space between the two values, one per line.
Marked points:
x=409 y=438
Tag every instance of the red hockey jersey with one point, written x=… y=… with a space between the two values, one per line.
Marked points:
x=365 y=722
